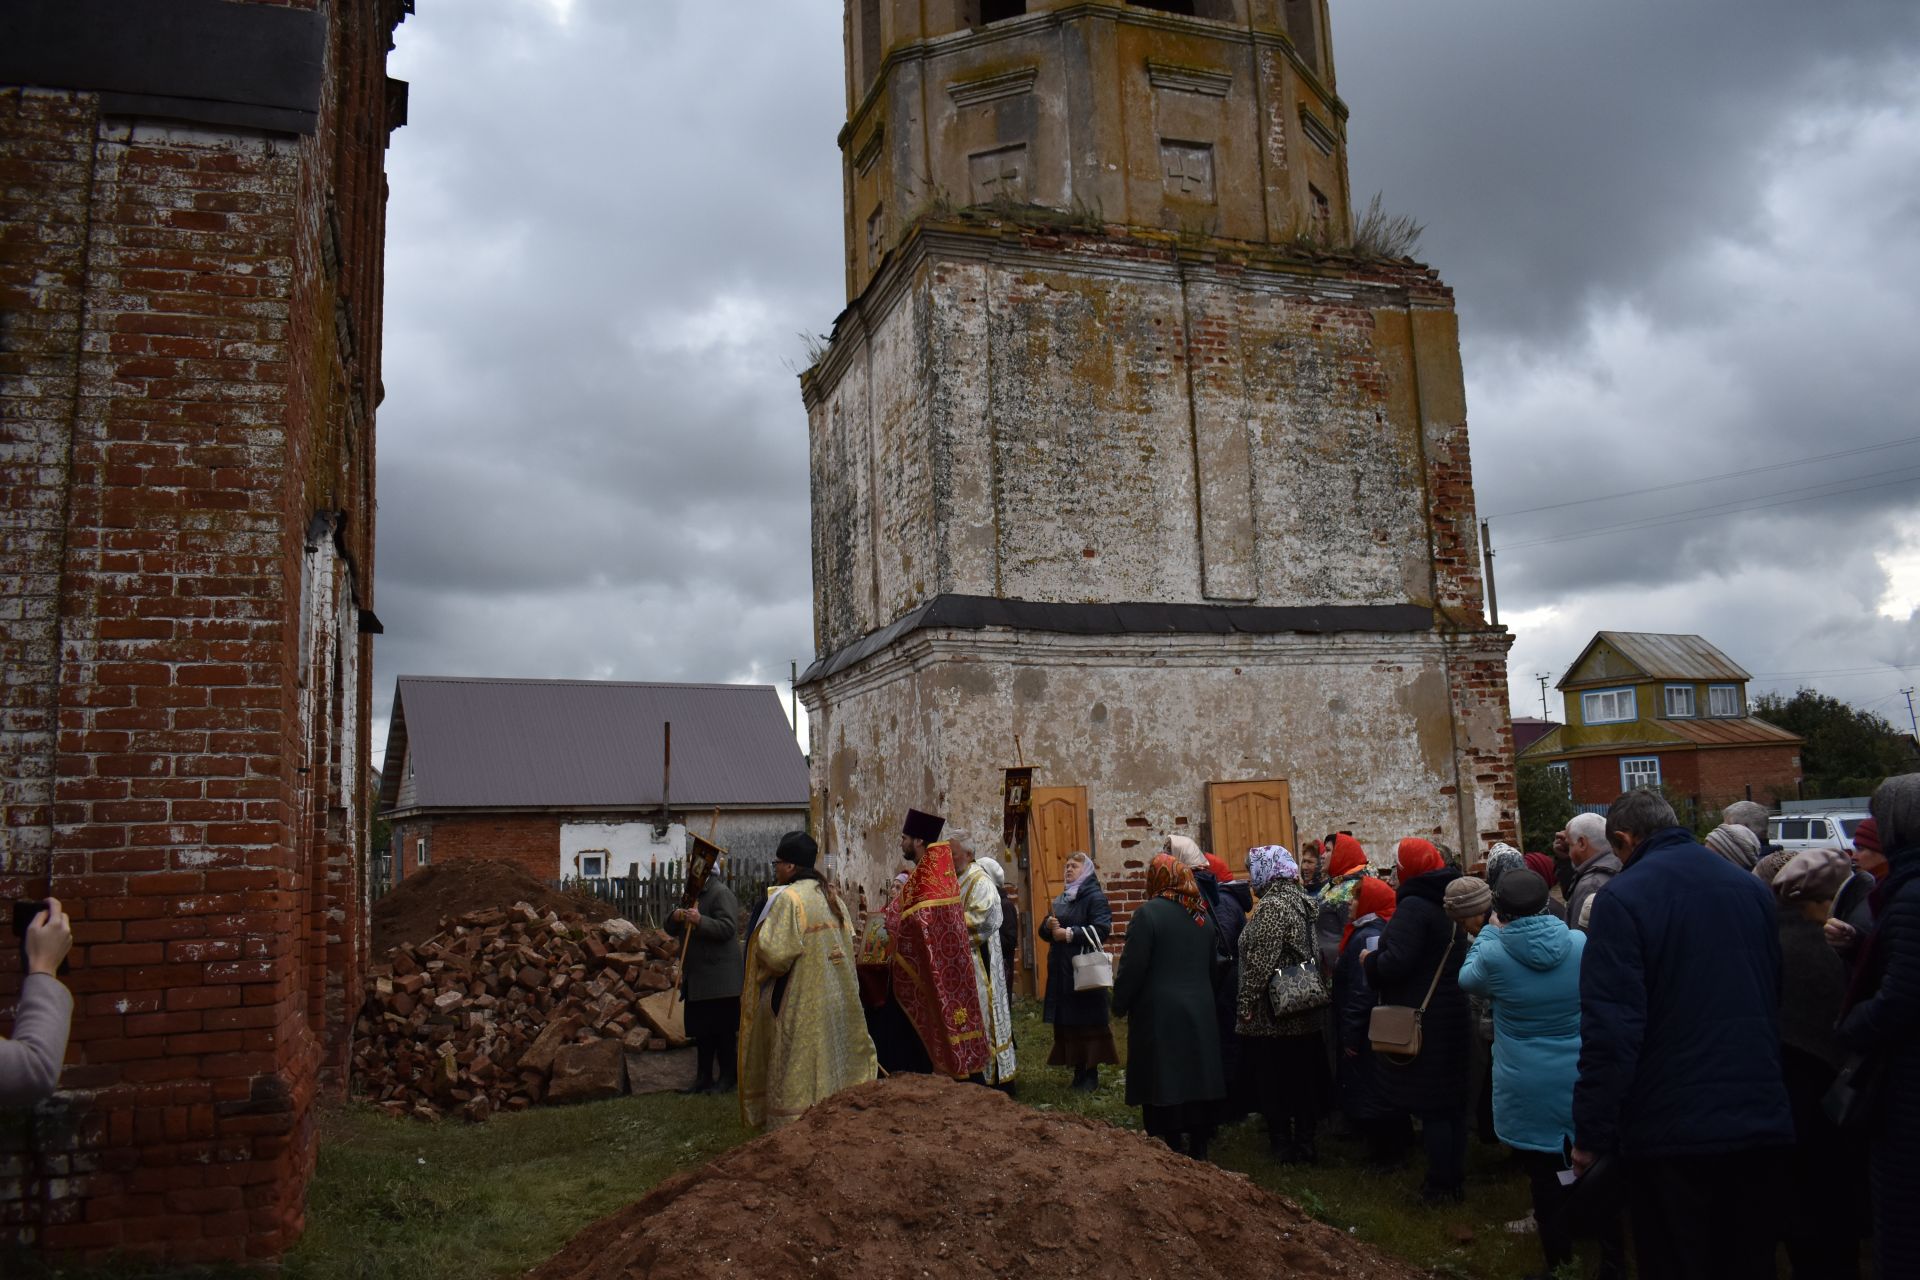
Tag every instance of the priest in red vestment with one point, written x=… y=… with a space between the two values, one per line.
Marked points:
x=929 y=955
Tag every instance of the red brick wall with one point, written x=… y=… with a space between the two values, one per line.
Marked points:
x=1715 y=778
x=533 y=843
x=193 y=369
x=1723 y=775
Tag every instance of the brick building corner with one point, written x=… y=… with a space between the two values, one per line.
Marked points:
x=189 y=368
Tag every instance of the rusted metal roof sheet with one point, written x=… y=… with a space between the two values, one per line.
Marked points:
x=1671 y=657
x=590 y=744
x=1750 y=731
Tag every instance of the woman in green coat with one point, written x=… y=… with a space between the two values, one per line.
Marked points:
x=1165 y=991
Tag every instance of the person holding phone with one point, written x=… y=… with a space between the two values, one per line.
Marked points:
x=30 y=1062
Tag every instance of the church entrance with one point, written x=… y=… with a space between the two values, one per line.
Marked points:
x=1245 y=815
x=1061 y=825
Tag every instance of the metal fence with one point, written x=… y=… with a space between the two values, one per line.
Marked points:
x=649 y=898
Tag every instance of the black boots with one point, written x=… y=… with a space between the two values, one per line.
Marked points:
x=1086 y=1079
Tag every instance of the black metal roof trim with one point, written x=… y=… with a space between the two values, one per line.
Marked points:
x=206 y=61
x=976 y=613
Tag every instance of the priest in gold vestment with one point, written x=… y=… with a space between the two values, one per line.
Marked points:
x=802 y=1033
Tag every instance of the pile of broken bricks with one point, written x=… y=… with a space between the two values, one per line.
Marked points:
x=504 y=1009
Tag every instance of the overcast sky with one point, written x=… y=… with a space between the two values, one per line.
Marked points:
x=1683 y=238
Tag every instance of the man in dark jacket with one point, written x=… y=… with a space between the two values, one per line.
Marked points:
x=710 y=984
x=1680 y=1071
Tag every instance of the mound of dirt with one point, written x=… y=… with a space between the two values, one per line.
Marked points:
x=920 y=1176
x=427 y=899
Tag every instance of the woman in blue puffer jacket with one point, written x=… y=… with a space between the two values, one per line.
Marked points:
x=1528 y=965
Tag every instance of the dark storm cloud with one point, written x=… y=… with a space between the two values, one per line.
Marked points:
x=1680 y=236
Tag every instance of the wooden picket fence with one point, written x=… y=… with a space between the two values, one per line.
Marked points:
x=649 y=898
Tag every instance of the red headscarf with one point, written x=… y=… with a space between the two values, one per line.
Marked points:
x=1374 y=897
x=1218 y=865
x=1168 y=877
x=1541 y=865
x=1347 y=856
x=1417 y=857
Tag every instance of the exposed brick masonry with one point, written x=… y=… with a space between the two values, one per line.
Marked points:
x=190 y=352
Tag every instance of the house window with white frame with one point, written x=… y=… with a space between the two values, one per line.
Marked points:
x=1723 y=701
x=1562 y=773
x=1639 y=771
x=1608 y=706
x=420 y=852
x=593 y=864
x=1680 y=702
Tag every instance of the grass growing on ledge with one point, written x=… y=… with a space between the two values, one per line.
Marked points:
x=401 y=1200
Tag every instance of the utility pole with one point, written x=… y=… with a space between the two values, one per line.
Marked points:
x=1910 y=720
x=1493 y=596
x=1543 y=677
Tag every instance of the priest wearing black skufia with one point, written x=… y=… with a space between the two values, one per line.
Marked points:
x=895 y=1041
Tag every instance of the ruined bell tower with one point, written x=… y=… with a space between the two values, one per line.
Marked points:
x=1122 y=445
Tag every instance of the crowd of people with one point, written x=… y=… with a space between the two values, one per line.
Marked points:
x=1693 y=1044
x=1702 y=1044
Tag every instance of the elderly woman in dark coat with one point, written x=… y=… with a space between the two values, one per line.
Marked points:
x=1358 y=1087
x=1818 y=1218
x=1082 y=1029
x=1419 y=943
x=1285 y=1057
x=1165 y=990
x=1883 y=1022
x=710 y=983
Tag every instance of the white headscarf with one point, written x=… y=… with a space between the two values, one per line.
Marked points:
x=1187 y=853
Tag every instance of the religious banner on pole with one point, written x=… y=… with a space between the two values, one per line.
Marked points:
x=1016 y=808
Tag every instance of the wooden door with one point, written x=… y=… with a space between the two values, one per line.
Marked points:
x=1061 y=825
x=1247 y=814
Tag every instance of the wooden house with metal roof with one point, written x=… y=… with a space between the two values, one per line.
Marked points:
x=1644 y=708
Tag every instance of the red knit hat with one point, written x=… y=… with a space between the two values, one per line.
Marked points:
x=1218 y=865
x=1541 y=865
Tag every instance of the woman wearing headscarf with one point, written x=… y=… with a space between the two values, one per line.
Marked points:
x=1346 y=868
x=1358 y=1087
x=1527 y=965
x=1501 y=859
x=1082 y=1029
x=1882 y=1022
x=1165 y=991
x=1418 y=964
x=1735 y=843
x=1820 y=1219
x=1285 y=1057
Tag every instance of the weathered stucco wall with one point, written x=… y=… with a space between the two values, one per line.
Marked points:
x=1104 y=418
x=1128 y=113
x=1386 y=735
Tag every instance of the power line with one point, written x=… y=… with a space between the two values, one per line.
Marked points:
x=1700 y=480
x=1725 y=508
x=1840 y=671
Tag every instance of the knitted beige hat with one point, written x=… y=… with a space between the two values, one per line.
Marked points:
x=1468 y=898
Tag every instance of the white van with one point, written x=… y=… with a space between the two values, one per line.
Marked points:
x=1797 y=831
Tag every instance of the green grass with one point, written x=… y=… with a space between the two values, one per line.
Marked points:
x=401 y=1200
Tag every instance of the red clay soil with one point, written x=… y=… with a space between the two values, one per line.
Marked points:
x=416 y=910
x=921 y=1177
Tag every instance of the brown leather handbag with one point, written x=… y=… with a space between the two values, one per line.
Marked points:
x=1394 y=1029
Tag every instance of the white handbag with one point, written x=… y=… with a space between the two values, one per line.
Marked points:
x=1093 y=969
